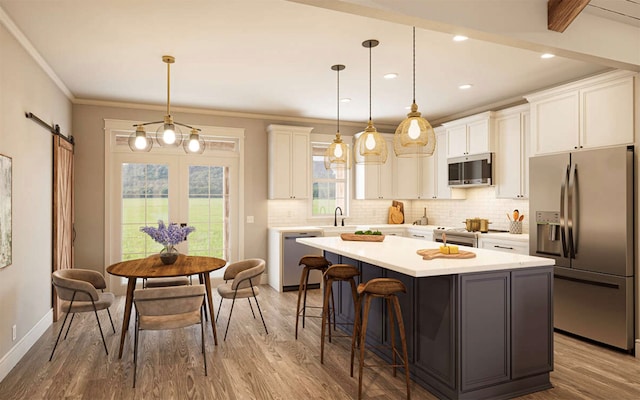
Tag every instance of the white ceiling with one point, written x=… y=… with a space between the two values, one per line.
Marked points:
x=272 y=57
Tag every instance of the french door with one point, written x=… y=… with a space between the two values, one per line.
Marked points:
x=198 y=191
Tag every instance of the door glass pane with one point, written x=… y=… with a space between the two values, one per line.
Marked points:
x=145 y=191
x=209 y=210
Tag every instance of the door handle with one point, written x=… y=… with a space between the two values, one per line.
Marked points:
x=563 y=225
x=573 y=209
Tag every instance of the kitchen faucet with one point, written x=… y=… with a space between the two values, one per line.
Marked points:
x=335 y=216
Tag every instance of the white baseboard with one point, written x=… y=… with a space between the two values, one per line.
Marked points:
x=637 y=349
x=22 y=347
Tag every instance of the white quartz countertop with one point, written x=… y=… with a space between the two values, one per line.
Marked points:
x=399 y=254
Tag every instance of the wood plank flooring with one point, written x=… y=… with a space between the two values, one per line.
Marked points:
x=252 y=365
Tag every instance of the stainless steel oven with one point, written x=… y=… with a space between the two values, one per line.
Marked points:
x=457 y=237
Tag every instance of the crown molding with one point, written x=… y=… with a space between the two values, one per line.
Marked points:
x=28 y=47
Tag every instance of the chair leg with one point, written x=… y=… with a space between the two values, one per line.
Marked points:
x=304 y=301
x=325 y=313
x=111 y=320
x=135 y=351
x=403 y=339
x=251 y=307
x=59 y=333
x=69 y=326
x=259 y=310
x=229 y=321
x=204 y=304
x=392 y=329
x=363 y=335
x=300 y=290
x=219 y=309
x=95 y=311
x=204 y=353
x=355 y=335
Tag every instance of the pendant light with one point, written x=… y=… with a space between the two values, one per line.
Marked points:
x=169 y=133
x=337 y=154
x=414 y=136
x=370 y=147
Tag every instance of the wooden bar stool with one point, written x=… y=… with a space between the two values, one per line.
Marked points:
x=309 y=263
x=387 y=289
x=335 y=273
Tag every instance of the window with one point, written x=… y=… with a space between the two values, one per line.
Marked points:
x=330 y=187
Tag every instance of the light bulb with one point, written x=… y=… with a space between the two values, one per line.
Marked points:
x=414 y=129
x=370 y=142
x=338 y=151
x=141 y=142
x=194 y=145
x=169 y=135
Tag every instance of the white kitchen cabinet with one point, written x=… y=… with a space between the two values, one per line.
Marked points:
x=470 y=135
x=376 y=181
x=422 y=234
x=590 y=113
x=289 y=161
x=508 y=246
x=415 y=177
x=511 y=173
x=436 y=183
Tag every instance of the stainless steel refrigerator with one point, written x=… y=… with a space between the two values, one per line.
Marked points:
x=583 y=205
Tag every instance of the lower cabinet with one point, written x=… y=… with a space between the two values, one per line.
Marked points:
x=476 y=335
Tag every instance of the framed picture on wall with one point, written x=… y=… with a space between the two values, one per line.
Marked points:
x=5 y=211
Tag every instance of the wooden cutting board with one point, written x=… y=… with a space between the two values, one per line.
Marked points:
x=362 y=238
x=430 y=254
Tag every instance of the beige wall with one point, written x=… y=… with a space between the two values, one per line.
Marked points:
x=25 y=286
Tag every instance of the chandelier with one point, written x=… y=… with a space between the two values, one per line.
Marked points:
x=168 y=133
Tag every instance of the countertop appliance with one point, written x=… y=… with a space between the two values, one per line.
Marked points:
x=583 y=205
x=292 y=252
x=473 y=170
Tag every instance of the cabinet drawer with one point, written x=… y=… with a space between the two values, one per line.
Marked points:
x=505 y=246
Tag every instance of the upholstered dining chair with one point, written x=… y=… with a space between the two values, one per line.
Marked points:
x=78 y=292
x=168 y=308
x=244 y=276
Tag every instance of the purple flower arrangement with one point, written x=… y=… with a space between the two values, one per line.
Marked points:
x=168 y=235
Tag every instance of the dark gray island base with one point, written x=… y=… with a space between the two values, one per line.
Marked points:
x=474 y=336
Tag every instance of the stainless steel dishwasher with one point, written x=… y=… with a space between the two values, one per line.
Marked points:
x=292 y=253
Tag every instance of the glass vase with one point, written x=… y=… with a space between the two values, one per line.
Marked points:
x=169 y=255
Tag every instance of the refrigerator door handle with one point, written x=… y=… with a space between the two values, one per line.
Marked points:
x=563 y=225
x=573 y=210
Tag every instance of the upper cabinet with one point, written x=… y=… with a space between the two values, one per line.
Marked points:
x=593 y=112
x=289 y=161
x=470 y=135
x=436 y=173
x=511 y=171
x=374 y=181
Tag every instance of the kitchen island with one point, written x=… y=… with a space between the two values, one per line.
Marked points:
x=476 y=328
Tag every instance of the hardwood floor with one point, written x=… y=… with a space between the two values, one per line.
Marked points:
x=252 y=365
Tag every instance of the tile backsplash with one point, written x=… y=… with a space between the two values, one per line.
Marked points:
x=481 y=202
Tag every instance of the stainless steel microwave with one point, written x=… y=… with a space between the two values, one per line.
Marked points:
x=473 y=170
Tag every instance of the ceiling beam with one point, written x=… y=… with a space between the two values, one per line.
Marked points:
x=561 y=13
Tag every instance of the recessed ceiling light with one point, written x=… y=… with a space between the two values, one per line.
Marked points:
x=459 y=38
x=465 y=86
x=547 y=55
x=345 y=100
x=391 y=75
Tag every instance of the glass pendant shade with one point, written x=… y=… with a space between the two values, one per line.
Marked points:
x=195 y=144
x=139 y=141
x=370 y=147
x=414 y=136
x=337 y=154
x=169 y=134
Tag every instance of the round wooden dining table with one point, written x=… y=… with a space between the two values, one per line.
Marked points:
x=152 y=267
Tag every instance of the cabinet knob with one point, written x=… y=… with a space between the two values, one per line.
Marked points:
x=575 y=147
